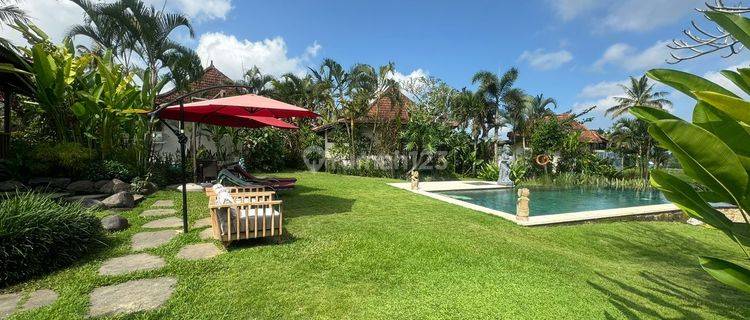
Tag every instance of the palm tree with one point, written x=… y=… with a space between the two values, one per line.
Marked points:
x=11 y=13
x=129 y=27
x=535 y=109
x=639 y=93
x=257 y=82
x=630 y=136
x=498 y=94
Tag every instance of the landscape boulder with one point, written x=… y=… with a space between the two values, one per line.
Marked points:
x=12 y=185
x=92 y=203
x=100 y=183
x=59 y=183
x=81 y=186
x=144 y=187
x=114 y=223
x=122 y=199
x=114 y=186
x=49 y=183
x=36 y=183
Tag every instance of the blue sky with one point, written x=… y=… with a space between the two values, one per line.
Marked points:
x=575 y=51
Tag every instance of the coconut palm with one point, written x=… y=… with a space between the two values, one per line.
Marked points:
x=639 y=93
x=11 y=13
x=630 y=136
x=501 y=98
x=534 y=109
x=257 y=82
x=132 y=28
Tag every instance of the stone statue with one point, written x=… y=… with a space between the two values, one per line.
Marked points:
x=522 y=204
x=503 y=167
x=414 y=179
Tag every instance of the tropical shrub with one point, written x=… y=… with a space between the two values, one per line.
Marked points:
x=38 y=235
x=713 y=151
x=110 y=169
x=264 y=149
x=67 y=159
x=489 y=172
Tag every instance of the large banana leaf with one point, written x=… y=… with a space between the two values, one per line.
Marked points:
x=735 y=107
x=686 y=198
x=703 y=157
x=741 y=78
x=736 y=25
x=734 y=134
x=727 y=272
x=649 y=114
x=685 y=82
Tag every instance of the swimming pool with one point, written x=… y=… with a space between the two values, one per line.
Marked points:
x=548 y=201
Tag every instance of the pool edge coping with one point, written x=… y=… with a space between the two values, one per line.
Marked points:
x=557 y=218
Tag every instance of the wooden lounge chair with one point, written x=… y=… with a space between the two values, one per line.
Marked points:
x=276 y=183
x=253 y=215
x=228 y=177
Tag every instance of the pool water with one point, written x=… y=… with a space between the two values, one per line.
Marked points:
x=545 y=201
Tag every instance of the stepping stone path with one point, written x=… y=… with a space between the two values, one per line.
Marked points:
x=37 y=299
x=131 y=263
x=198 y=251
x=40 y=298
x=171 y=222
x=202 y=223
x=147 y=240
x=131 y=296
x=207 y=234
x=8 y=303
x=163 y=203
x=157 y=213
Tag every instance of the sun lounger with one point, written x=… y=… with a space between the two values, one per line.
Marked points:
x=228 y=177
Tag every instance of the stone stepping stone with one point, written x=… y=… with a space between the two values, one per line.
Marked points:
x=202 y=223
x=131 y=263
x=198 y=251
x=163 y=203
x=207 y=234
x=171 y=222
x=8 y=304
x=40 y=298
x=148 y=240
x=131 y=296
x=157 y=213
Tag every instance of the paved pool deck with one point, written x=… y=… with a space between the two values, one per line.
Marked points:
x=429 y=188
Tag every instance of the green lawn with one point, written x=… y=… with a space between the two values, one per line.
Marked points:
x=358 y=248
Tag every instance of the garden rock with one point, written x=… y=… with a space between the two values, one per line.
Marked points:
x=11 y=185
x=163 y=203
x=157 y=213
x=81 y=186
x=171 y=222
x=206 y=234
x=40 y=298
x=148 y=240
x=114 y=223
x=145 y=187
x=114 y=186
x=100 y=183
x=131 y=296
x=92 y=203
x=39 y=182
x=122 y=199
x=59 y=183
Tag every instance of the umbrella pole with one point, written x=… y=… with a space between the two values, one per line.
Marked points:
x=183 y=140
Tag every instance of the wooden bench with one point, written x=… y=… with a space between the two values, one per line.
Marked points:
x=253 y=215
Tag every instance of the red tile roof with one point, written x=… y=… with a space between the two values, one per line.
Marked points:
x=211 y=77
x=589 y=136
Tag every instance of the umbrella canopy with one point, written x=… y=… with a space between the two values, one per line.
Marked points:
x=226 y=111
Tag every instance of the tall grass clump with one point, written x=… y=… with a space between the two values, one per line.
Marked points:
x=569 y=179
x=38 y=235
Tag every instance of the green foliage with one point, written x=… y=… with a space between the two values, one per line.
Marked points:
x=488 y=172
x=265 y=149
x=549 y=134
x=713 y=152
x=110 y=169
x=569 y=179
x=67 y=159
x=37 y=236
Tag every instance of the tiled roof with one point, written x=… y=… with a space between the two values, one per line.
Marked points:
x=211 y=77
x=382 y=109
x=587 y=135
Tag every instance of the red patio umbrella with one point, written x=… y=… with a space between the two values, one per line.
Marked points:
x=248 y=111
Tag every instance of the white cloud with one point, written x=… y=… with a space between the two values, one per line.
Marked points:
x=233 y=56
x=405 y=78
x=53 y=16
x=630 y=59
x=627 y=15
x=56 y=17
x=539 y=59
x=201 y=9
x=569 y=9
x=644 y=15
x=602 y=89
x=719 y=79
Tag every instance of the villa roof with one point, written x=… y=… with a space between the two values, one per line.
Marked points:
x=211 y=77
x=381 y=109
x=587 y=135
